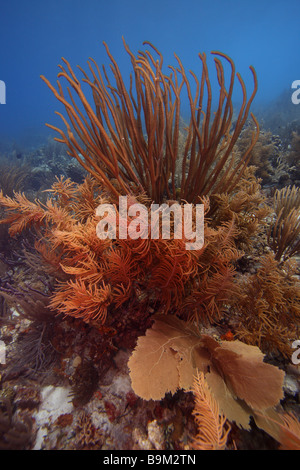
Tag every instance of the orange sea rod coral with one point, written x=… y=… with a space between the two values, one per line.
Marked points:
x=133 y=136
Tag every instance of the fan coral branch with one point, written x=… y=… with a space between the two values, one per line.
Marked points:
x=212 y=434
x=284 y=427
x=22 y=212
x=290 y=432
x=79 y=300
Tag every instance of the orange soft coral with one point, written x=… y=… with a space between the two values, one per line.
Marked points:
x=95 y=273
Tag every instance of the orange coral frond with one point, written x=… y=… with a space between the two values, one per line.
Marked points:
x=290 y=432
x=121 y=294
x=49 y=256
x=58 y=215
x=167 y=278
x=286 y=429
x=119 y=266
x=22 y=213
x=88 y=197
x=64 y=188
x=210 y=293
x=212 y=433
x=82 y=300
x=87 y=268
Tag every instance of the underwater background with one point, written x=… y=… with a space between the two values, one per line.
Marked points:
x=35 y=35
x=139 y=344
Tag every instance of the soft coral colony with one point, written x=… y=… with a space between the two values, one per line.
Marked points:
x=133 y=142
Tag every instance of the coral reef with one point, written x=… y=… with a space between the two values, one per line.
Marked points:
x=139 y=343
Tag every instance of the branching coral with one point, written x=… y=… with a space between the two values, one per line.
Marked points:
x=80 y=300
x=99 y=273
x=14 y=433
x=267 y=304
x=263 y=153
x=84 y=383
x=246 y=206
x=284 y=233
x=212 y=428
x=289 y=436
x=293 y=154
x=12 y=176
x=133 y=136
x=33 y=353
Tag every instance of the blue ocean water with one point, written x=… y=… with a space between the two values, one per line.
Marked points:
x=34 y=35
